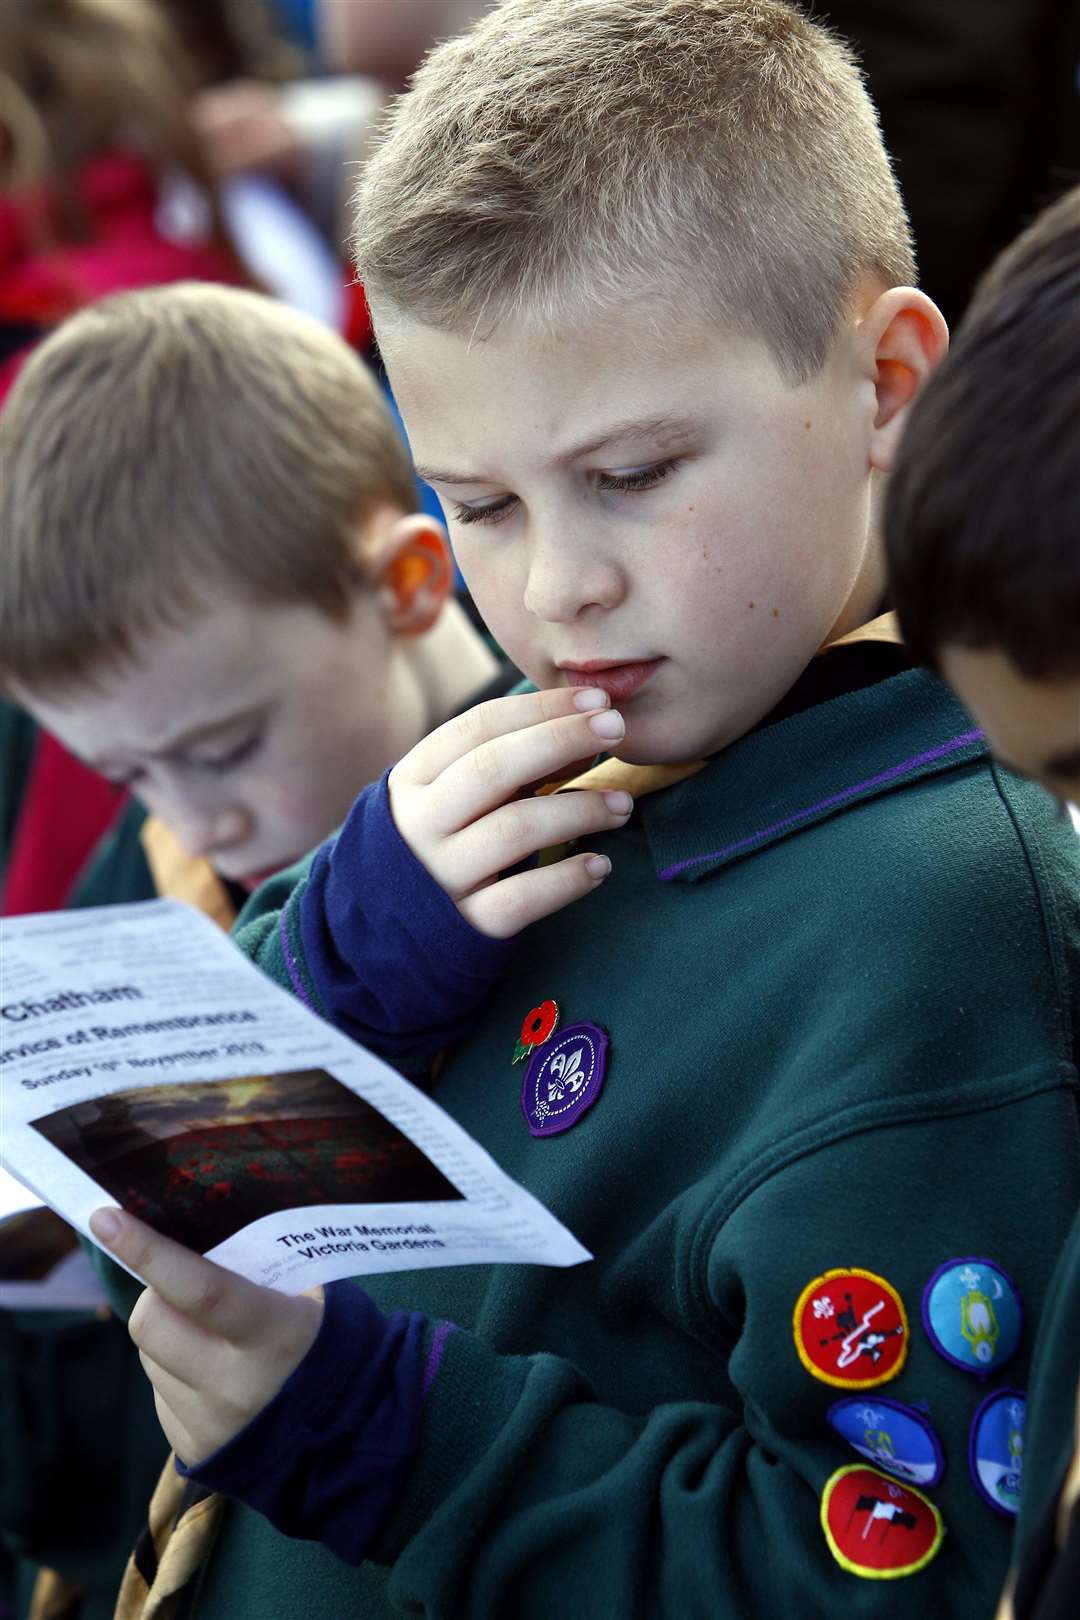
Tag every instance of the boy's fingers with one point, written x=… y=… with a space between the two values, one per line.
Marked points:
x=176 y=1393
x=506 y=907
x=482 y=724
x=519 y=829
x=498 y=770
x=176 y=1432
x=223 y=1302
x=170 y=1339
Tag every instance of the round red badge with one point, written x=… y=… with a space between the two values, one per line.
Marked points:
x=539 y=1024
x=877 y=1528
x=851 y=1329
x=537 y=1027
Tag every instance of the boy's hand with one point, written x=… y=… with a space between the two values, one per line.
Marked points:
x=455 y=801
x=215 y=1347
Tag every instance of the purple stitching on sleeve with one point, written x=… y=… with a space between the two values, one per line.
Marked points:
x=291 y=962
x=434 y=1361
x=890 y=775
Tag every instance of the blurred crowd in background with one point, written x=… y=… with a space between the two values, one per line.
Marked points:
x=147 y=141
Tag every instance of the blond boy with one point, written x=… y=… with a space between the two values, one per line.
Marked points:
x=642 y=280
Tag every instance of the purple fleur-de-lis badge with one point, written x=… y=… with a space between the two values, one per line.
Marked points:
x=564 y=1078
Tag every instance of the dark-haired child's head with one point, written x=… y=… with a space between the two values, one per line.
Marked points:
x=640 y=273
x=213 y=582
x=982 y=516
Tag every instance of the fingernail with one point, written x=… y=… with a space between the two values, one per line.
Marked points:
x=105 y=1224
x=609 y=724
x=591 y=698
x=598 y=866
x=620 y=804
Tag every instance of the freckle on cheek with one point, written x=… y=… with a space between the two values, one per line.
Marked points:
x=750 y=605
x=806 y=424
x=776 y=613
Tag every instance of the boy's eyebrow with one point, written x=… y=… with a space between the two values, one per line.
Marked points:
x=628 y=427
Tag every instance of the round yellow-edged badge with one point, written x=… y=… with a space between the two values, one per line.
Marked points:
x=851 y=1329
x=877 y=1528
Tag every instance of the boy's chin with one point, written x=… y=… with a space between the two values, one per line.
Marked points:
x=641 y=746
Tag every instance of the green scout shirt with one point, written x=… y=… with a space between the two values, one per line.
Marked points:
x=839 y=972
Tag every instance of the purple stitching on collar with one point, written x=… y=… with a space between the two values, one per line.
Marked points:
x=882 y=777
x=443 y=1331
x=291 y=962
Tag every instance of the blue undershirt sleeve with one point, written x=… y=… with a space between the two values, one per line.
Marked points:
x=395 y=964
x=327 y=1457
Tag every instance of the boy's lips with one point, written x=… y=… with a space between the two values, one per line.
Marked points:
x=621 y=681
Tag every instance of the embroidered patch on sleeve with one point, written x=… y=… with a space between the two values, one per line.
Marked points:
x=876 y=1528
x=972 y=1314
x=851 y=1329
x=996 y=1450
x=898 y=1438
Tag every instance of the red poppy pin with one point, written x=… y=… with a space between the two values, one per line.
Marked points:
x=538 y=1026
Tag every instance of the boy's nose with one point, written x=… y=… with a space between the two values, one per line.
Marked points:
x=564 y=582
x=212 y=833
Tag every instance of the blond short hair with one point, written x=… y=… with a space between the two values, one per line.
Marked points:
x=162 y=446
x=566 y=154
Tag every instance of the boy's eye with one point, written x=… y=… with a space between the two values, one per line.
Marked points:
x=122 y=779
x=484 y=511
x=636 y=477
x=234 y=756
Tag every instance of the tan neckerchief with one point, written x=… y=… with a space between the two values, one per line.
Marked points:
x=181 y=876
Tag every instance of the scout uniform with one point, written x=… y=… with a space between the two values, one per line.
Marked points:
x=782 y=1076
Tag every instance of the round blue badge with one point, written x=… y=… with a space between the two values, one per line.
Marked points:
x=564 y=1078
x=972 y=1314
x=996 y=1450
x=896 y=1437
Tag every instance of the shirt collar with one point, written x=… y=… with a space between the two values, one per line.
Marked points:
x=774 y=783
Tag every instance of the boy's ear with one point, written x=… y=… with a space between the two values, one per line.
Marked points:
x=413 y=572
x=901 y=338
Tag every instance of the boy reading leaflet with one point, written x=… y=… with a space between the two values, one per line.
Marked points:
x=981 y=529
x=800 y=1073
x=214 y=585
